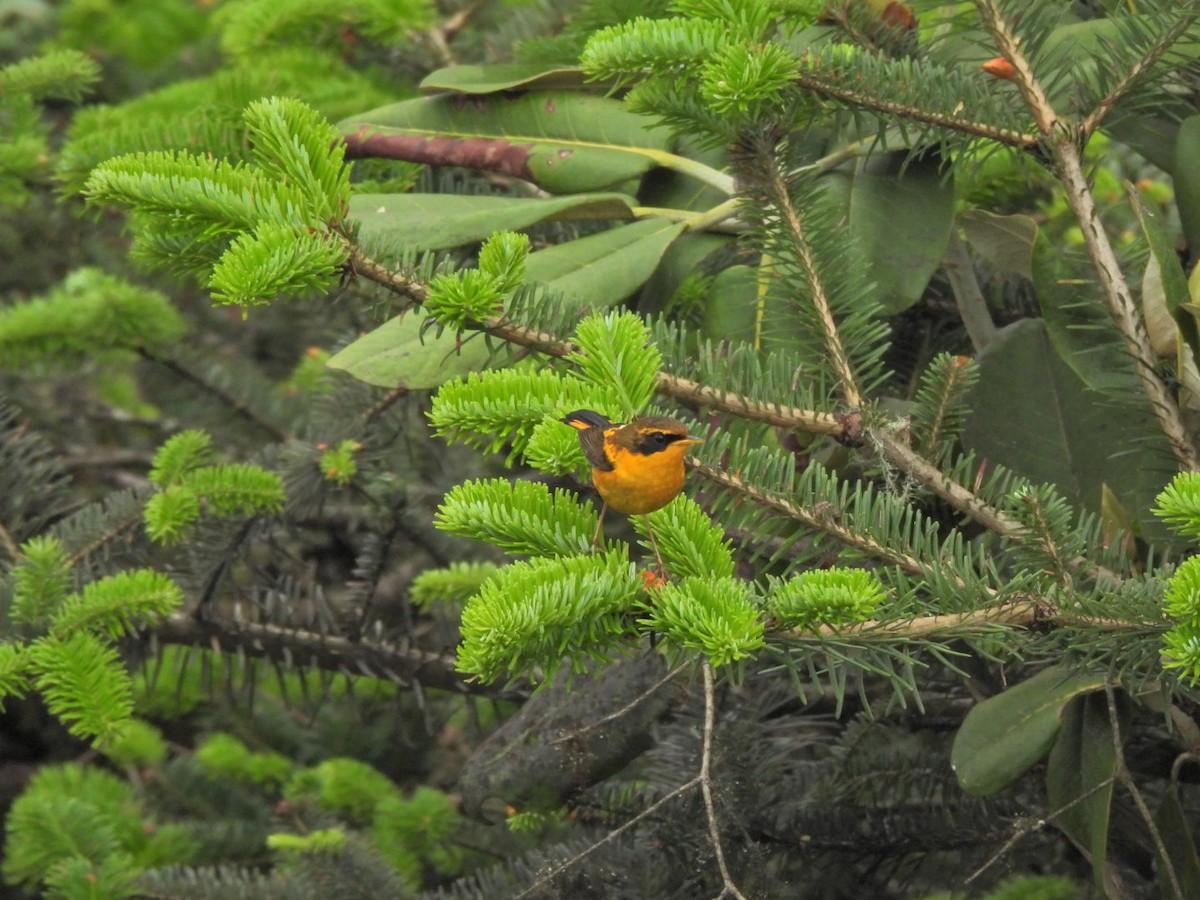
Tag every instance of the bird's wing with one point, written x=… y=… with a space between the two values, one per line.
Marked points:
x=592 y=441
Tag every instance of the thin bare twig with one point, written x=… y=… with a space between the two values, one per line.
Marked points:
x=1122 y=774
x=702 y=779
x=729 y=888
x=1035 y=825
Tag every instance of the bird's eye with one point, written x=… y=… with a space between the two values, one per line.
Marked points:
x=660 y=438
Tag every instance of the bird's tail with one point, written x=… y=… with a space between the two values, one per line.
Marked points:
x=584 y=419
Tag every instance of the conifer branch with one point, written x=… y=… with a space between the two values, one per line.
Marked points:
x=238 y=406
x=329 y=652
x=934 y=479
x=776 y=187
x=822 y=87
x=1136 y=72
x=827 y=523
x=396 y=282
x=1063 y=143
x=1022 y=614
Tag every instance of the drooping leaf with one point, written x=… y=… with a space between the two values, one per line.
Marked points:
x=1187 y=179
x=1077 y=322
x=1179 y=842
x=563 y=142
x=1165 y=278
x=1004 y=735
x=440 y=221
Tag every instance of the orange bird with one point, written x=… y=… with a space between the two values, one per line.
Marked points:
x=636 y=468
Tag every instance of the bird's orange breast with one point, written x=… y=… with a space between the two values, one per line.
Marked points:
x=639 y=483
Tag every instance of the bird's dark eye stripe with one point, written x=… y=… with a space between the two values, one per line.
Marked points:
x=653 y=441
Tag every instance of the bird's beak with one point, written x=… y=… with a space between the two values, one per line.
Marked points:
x=690 y=440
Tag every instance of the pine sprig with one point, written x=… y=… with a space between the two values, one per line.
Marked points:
x=275 y=260
x=456 y=583
x=115 y=605
x=938 y=407
x=63 y=75
x=277 y=223
x=825 y=597
x=519 y=517
x=41 y=580
x=254 y=26
x=1179 y=504
x=238 y=489
x=616 y=353
x=490 y=410
x=717 y=617
x=90 y=313
x=15 y=671
x=293 y=143
x=660 y=46
x=533 y=615
x=179 y=456
x=690 y=542
x=84 y=683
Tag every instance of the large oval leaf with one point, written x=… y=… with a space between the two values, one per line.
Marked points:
x=1004 y=241
x=561 y=141
x=601 y=270
x=1004 y=735
x=1187 y=180
x=900 y=217
x=441 y=221
x=405 y=352
x=1032 y=413
x=1079 y=775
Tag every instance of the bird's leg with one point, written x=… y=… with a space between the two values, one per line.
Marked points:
x=662 y=569
x=599 y=525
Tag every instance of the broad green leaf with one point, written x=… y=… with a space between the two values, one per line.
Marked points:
x=441 y=221
x=900 y=221
x=1077 y=320
x=1004 y=735
x=1033 y=414
x=594 y=272
x=690 y=256
x=1187 y=179
x=398 y=355
x=562 y=141
x=1004 y=241
x=601 y=270
x=491 y=79
x=1154 y=137
x=1179 y=842
x=1079 y=776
